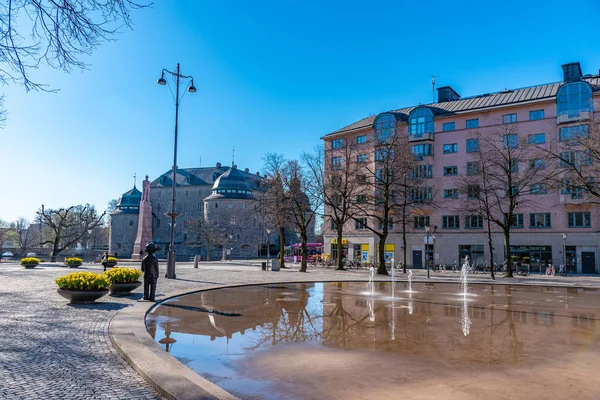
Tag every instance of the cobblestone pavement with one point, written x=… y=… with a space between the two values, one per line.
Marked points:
x=52 y=350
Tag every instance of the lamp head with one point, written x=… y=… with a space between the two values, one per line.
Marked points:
x=192 y=88
x=161 y=80
x=564 y=235
x=427 y=229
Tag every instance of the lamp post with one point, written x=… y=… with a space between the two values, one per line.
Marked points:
x=172 y=214
x=427 y=230
x=268 y=247
x=564 y=237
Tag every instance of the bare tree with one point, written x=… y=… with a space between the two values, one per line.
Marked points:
x=303 y=201
x=506 y=173
x=204 y=233
x=68 y=225
x=55 y=33
x=337 y=174
x=275 y=201
x=26 y=235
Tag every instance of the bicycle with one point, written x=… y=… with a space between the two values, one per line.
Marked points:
x=550 y=271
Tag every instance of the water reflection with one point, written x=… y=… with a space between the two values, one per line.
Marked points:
x=525 y=326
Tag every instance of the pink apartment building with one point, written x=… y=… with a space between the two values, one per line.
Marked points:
x=561 y=227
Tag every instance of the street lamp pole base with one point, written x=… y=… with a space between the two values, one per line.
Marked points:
x=171 y=265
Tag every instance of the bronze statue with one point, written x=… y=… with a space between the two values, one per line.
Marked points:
x=150 y=269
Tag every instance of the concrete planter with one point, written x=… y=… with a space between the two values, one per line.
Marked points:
x=109 y=265
x=123 y=289
x=82 y=297
x=29 y=266
x=74 y=265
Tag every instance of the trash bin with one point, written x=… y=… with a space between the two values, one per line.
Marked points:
x=274 y=265
x=264 y=265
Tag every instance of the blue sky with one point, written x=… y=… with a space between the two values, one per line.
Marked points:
x=272 y=76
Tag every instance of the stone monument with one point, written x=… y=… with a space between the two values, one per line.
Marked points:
x=144 y=232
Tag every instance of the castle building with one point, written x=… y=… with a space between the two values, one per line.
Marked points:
x=224 y=197
x=562 y=227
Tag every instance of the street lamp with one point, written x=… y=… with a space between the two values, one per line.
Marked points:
x=564 y=236
x=268 y=246
x=172 y=214
x=427 y=230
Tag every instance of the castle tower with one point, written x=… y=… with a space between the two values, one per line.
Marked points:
x=144 y=231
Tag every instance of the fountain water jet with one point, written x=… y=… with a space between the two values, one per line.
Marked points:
x=464 y=277
x=371 y=282
x=410 y=276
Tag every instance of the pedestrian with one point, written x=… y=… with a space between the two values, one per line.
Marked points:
x=150 y=270
x=105 y=259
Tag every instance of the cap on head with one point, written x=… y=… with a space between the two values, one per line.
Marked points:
x=151 y=247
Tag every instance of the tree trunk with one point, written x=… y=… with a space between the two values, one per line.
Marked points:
x=381 y=269
x=404 y=242
x=282 y=247
x=303 y=262
x=340 y=251
x=509 y=272
x=208 y=250
x=491 y=251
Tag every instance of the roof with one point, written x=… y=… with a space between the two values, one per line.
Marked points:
x=129 y=201
x=474 y=103
x=190 y=176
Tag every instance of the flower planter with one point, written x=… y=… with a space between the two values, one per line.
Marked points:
x=82 y=297
x=74 y=265
x=29 y=266
x=110 y=265
x=123 y=289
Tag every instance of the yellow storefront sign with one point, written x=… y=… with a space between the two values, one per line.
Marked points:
x=334 y=241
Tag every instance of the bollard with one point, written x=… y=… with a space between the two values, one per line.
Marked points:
x=196 y=258
x=264 y=266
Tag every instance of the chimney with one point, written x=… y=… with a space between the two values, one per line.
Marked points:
x=218 y=165
x=247 y=170
x=571 y=72
x=446 y=93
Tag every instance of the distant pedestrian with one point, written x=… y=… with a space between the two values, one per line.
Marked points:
x=150 y=269
x=105 y=259
x=141 y=254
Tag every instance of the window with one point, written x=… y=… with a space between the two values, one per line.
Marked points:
x=536 y=114
x=537 y=138
x=390 y=224
x=472 y=145
x=360 y=224
x=538 y=188
x=576 y=191
x=450 y=148
x=361 y=158
x=233 y=221
x=448 y=126
x=420 y=121
x=450 y=193
x=474 y=222
x=384 y=126
x=516 y=221
x=199 y=206
x=131 y=223
x=537 y=163
x=244 y=206
x=540 y=220
x=420 y=150
x=450 y=222
x=361 y=179
x=383 y=154
x=514 y=190
x=473 y=191
x=361 y=199
x=186 y=193
x=572 y=132
x=336 y=162
x=574 y=102
x=216 y=205
x=472 y=123
x=420 y=194
x=473 y=168
x=337 y=143
x=333 y=225
x=575 y=159
x=421 y=172
x=579 y=219
x=514 y=165
x=200 y=193
x=421 y=221
x=511 y=141
x=361 y=139
x=452 y=170
x=509 y=118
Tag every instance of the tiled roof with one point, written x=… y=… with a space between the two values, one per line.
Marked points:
x=467 y=104
x=198 y=176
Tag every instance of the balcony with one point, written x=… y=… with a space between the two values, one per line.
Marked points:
x=420 y=137
x=583 y=116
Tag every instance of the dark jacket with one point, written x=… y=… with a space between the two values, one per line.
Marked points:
x=150 y=266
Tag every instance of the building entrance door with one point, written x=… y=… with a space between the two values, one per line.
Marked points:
x=417 y=259
x=588 y=262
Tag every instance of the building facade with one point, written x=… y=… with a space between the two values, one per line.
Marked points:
x=562 y=227
x=224 y=197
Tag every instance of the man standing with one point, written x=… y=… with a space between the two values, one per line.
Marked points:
x=150 y=269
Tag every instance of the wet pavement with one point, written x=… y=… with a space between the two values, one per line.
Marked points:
x=51 y=350
x=279 y=341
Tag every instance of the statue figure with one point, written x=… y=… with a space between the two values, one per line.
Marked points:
x=150 y=269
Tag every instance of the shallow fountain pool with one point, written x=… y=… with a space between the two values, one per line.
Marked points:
x=336 y=340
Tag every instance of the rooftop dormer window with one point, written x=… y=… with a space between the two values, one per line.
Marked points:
x=574 y=102
x=384 y=126
x=420 y=122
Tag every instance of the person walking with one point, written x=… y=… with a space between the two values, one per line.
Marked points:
x=105 y=259
x=150 y=270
